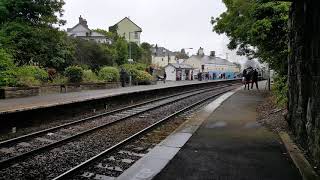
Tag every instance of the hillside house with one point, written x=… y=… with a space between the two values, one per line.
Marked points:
x=81 y=30
x=129 y=30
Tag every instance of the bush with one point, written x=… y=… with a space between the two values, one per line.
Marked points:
x=27 y=81
x=74 y=74
x=137 y=66
x=109 y=74
x=59 y=79
x=27 y=76
x=140 y=66
x=6 y=61
x=280 y=90
x=33 y=71
x=8 y=78
x=139 y=76
x=7 y=70
x=89 y=76
x=143 y=77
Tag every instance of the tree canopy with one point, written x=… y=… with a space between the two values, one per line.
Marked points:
x=257 y=29
x=45 y=12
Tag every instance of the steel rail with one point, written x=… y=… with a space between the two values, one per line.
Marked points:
x=6 y=162
x=30 y=135
x=136 y=135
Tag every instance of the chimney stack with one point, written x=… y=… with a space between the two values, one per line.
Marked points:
x=200 y=52
x=212 y=53
x=83 y=21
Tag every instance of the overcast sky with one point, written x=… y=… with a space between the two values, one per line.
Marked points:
x=174 y=24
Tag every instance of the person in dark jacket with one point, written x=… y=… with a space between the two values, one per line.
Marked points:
x=254 y=79
x=164 y=77
x=123 y=77
x=248 y=76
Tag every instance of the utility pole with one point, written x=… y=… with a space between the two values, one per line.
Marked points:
x=269 y=79
x=130 y=45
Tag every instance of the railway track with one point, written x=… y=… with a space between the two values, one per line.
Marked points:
x=57 y=136
x=112 y=162
x=27 y=145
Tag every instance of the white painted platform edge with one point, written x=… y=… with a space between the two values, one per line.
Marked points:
x=150 y=165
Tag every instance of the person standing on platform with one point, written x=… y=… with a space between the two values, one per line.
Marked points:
x=244 y=74
x=254 y=79
x=123 y=77
x=248 y=77
x=164 y=77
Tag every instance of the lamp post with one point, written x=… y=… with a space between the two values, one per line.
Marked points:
x=130 y=58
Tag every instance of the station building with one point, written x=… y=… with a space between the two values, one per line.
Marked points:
x=179 y=72
x=215 y=67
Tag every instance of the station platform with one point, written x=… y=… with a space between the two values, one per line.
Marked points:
x=223 y=141
x=51 y=100
x=231 y=145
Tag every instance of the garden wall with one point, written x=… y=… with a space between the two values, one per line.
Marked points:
x=18 y=92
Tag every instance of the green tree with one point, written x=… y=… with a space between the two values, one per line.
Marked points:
x=93 y=54
x=258 y=29
x=42 y=46
x=111 y=35
x=146 y=53
x=6 y=61
x=121 y=46
x=39 y=13
x=113 y=29
x=136 y=52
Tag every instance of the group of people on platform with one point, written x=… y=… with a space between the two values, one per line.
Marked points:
x=250 y=75
x=213 y=76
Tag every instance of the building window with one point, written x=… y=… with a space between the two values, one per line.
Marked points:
x=136 y=35
x=162 y=59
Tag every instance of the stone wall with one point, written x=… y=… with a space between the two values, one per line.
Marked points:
x=304 y=75
x=18 y=92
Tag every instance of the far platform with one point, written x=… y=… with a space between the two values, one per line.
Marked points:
x=36 y=102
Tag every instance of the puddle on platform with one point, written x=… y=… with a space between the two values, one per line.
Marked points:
x=252 y=125
x=219 y=124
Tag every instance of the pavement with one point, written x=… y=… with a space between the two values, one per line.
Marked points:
x=29 y=103
x=231 y=145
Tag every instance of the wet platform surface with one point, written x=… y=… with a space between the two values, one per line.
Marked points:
x=231 y=145
x=29 y=103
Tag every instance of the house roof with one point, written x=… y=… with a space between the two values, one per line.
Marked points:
x=182 y=65
x=211 y=60
x=70 y=29
x=83 y=34
x=161 y=52
x=131 y=22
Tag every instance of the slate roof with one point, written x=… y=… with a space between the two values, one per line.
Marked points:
x=83 y=34
x=161 y=52
x=211 y=60
x=182 y=65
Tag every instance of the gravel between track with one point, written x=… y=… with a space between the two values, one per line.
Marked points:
x=50 y=164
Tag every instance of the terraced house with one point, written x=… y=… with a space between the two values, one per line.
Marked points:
x=212 y=65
